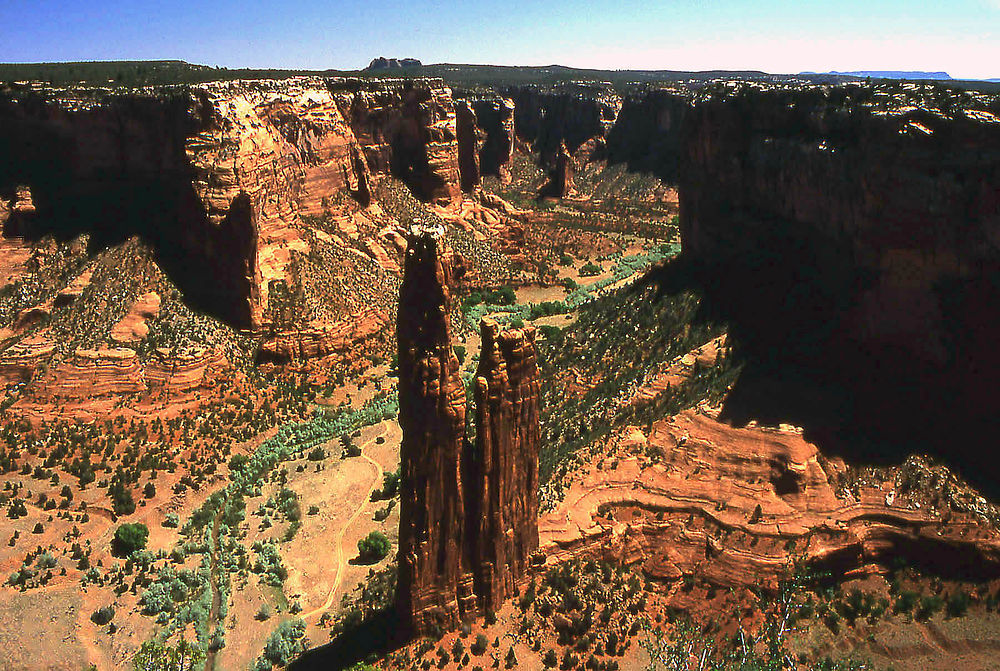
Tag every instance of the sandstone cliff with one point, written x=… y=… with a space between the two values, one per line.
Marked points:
x=502 y=471
x=221 y=176
x=681 y=498
x=495 y=116
x=850 y=236
x=470 y=139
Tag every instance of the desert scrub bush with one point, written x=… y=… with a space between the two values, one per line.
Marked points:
x=170 y=521
x=129 y=538
x=157 y=656
x=102 y=615
x=285 y=643
x=373 y=548
x=382 y=514
x=269 y=565
x=264 y=612
x=690 y=647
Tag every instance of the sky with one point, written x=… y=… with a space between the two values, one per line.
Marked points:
x=961 y=37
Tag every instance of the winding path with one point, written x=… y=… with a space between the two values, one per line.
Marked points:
x=339 y=542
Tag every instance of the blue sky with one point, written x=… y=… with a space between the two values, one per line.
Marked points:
x=961 y=37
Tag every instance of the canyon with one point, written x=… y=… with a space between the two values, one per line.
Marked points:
x=694 y=331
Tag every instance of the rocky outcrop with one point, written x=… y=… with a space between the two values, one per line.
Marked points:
x=407 y=129
x=468 y=513
x=495 y=116
x=133 y=327
x=320 y=339
x=850 y=235
x=434 y=587
x=501 y=473
x=692 y=496
x=469 y=140
x=561 y=176
x=383 y=63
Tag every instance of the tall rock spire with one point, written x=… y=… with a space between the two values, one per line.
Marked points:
x=433 y=589
x=468 y=513
x=501 y=471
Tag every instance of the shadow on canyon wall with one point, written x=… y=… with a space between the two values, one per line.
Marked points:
x=118 y=171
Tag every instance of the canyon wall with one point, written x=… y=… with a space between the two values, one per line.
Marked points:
x=851 y=236
x=495 y=117
x=219 y=176
x=468 y=512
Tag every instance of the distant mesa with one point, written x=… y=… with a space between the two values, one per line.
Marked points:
x=888 y=74
x=382 y=63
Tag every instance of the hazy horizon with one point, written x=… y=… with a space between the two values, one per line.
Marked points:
x=776 y=36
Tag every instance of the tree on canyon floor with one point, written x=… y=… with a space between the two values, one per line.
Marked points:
x=373 y=548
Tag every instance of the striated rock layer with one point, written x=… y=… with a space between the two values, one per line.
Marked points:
x=468 y=513
x=693 y=496
x=502 y=472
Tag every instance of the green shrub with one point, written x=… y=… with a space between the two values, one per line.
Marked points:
x=929 y=605
x=129 y=538
x=102 y=615
x=373 y=548
x=590 y=269
x=238 y=462
x=958 y=603
x=156 y=656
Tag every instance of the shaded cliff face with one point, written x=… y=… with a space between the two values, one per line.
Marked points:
x=469 y=142
x=495 y=116
x=646 y=136
x=217 y=177
x=434 y=588
x=406 y=128
x=573 y=113
x=852 y=237
x=116 y=166
x=502 y=471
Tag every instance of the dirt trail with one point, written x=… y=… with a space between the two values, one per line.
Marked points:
x=339 y=542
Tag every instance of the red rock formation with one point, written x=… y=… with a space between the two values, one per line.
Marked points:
x=692 y=509
x=469 y=141
x=502 y=471
x=495 y=117
x=319 y=339
x=405 y=128
x=133 y=328
x=468 y=514
x=561 y=176
x=220 y=175
x=434 y=587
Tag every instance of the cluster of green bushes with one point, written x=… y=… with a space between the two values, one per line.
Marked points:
x=284 y=644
